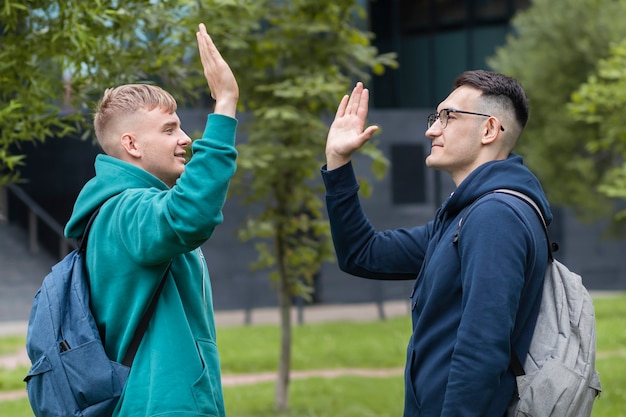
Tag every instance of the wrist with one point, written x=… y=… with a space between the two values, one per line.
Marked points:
x=226 y=106
x=336 y=161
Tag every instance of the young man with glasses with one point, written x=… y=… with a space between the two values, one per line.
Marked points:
x=477 y=288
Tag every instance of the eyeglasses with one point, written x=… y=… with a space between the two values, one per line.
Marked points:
x=444 y=114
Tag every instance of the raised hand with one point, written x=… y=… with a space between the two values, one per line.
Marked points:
x=222 y=82
x=346 y=133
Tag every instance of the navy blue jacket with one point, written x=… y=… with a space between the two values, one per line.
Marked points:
x=473 y=300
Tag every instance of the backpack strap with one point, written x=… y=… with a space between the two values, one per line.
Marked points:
x=145 y=320
x=516 y=364
x=82 y=243
x=552 y=247
x=527 y=199
x=143 y=324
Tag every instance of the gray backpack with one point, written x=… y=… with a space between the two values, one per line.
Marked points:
x=558 y=376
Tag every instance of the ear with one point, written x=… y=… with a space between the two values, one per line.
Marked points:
x=491 y=131
x=129 y=144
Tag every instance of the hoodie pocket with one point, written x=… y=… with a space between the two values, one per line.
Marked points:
x=412 y=406
x=207 y=390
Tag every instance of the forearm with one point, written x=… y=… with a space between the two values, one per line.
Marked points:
x=360 y=250
x=227 y=106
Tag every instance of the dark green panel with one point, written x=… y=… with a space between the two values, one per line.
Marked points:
x=485 y=41
x=416 y=88
x=451 y=53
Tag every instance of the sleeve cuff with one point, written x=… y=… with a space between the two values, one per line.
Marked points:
x=339 y=180
x=221 y=128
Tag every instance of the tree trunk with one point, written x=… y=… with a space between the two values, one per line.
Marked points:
x=284 y=368
x=284 y=301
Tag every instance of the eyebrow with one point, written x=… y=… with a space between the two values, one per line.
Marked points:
x=169 y=124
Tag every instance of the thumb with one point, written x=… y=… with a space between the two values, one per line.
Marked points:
x=369 y=132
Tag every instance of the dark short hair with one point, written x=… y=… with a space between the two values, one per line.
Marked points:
x=498 y=87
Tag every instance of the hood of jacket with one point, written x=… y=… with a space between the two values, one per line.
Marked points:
x=510 y=173
x=112 y=177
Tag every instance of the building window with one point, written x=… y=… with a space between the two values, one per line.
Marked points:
x=415 y=16
x=435 y=41
x=408 y=180
x=493 y=9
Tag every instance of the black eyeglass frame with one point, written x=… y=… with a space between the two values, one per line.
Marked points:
x=432 y=118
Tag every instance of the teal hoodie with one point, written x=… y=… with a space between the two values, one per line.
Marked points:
x=143 y=225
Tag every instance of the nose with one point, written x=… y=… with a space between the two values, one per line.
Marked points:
x=185 y=140
x=434 y=130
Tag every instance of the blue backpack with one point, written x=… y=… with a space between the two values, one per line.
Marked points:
x=71 y=374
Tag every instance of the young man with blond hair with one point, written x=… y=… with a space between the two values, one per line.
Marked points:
x=156 y=210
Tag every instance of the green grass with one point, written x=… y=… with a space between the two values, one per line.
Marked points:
x=17 y=408
x=12 y=379
x=611 y=356
x=612 y=402
x=611 y=323
x=380 y=344
x=317 y=397
x=10 y=344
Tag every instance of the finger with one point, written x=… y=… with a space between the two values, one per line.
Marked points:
x=202 y=42
x=209 y=55
x=366 y=135
x=363 y=104
x=201 y=33
x=369 y=132
x=355 y=98
x=204 y=36
x=341 y=109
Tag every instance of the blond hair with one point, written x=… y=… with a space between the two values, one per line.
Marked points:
x=126 y=100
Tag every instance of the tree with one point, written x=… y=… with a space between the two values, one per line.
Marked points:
x=554 y=48
x=600 y=103
x=58 y=56
x=293 y=71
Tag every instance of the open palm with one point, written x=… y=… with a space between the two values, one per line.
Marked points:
x=347 y=133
